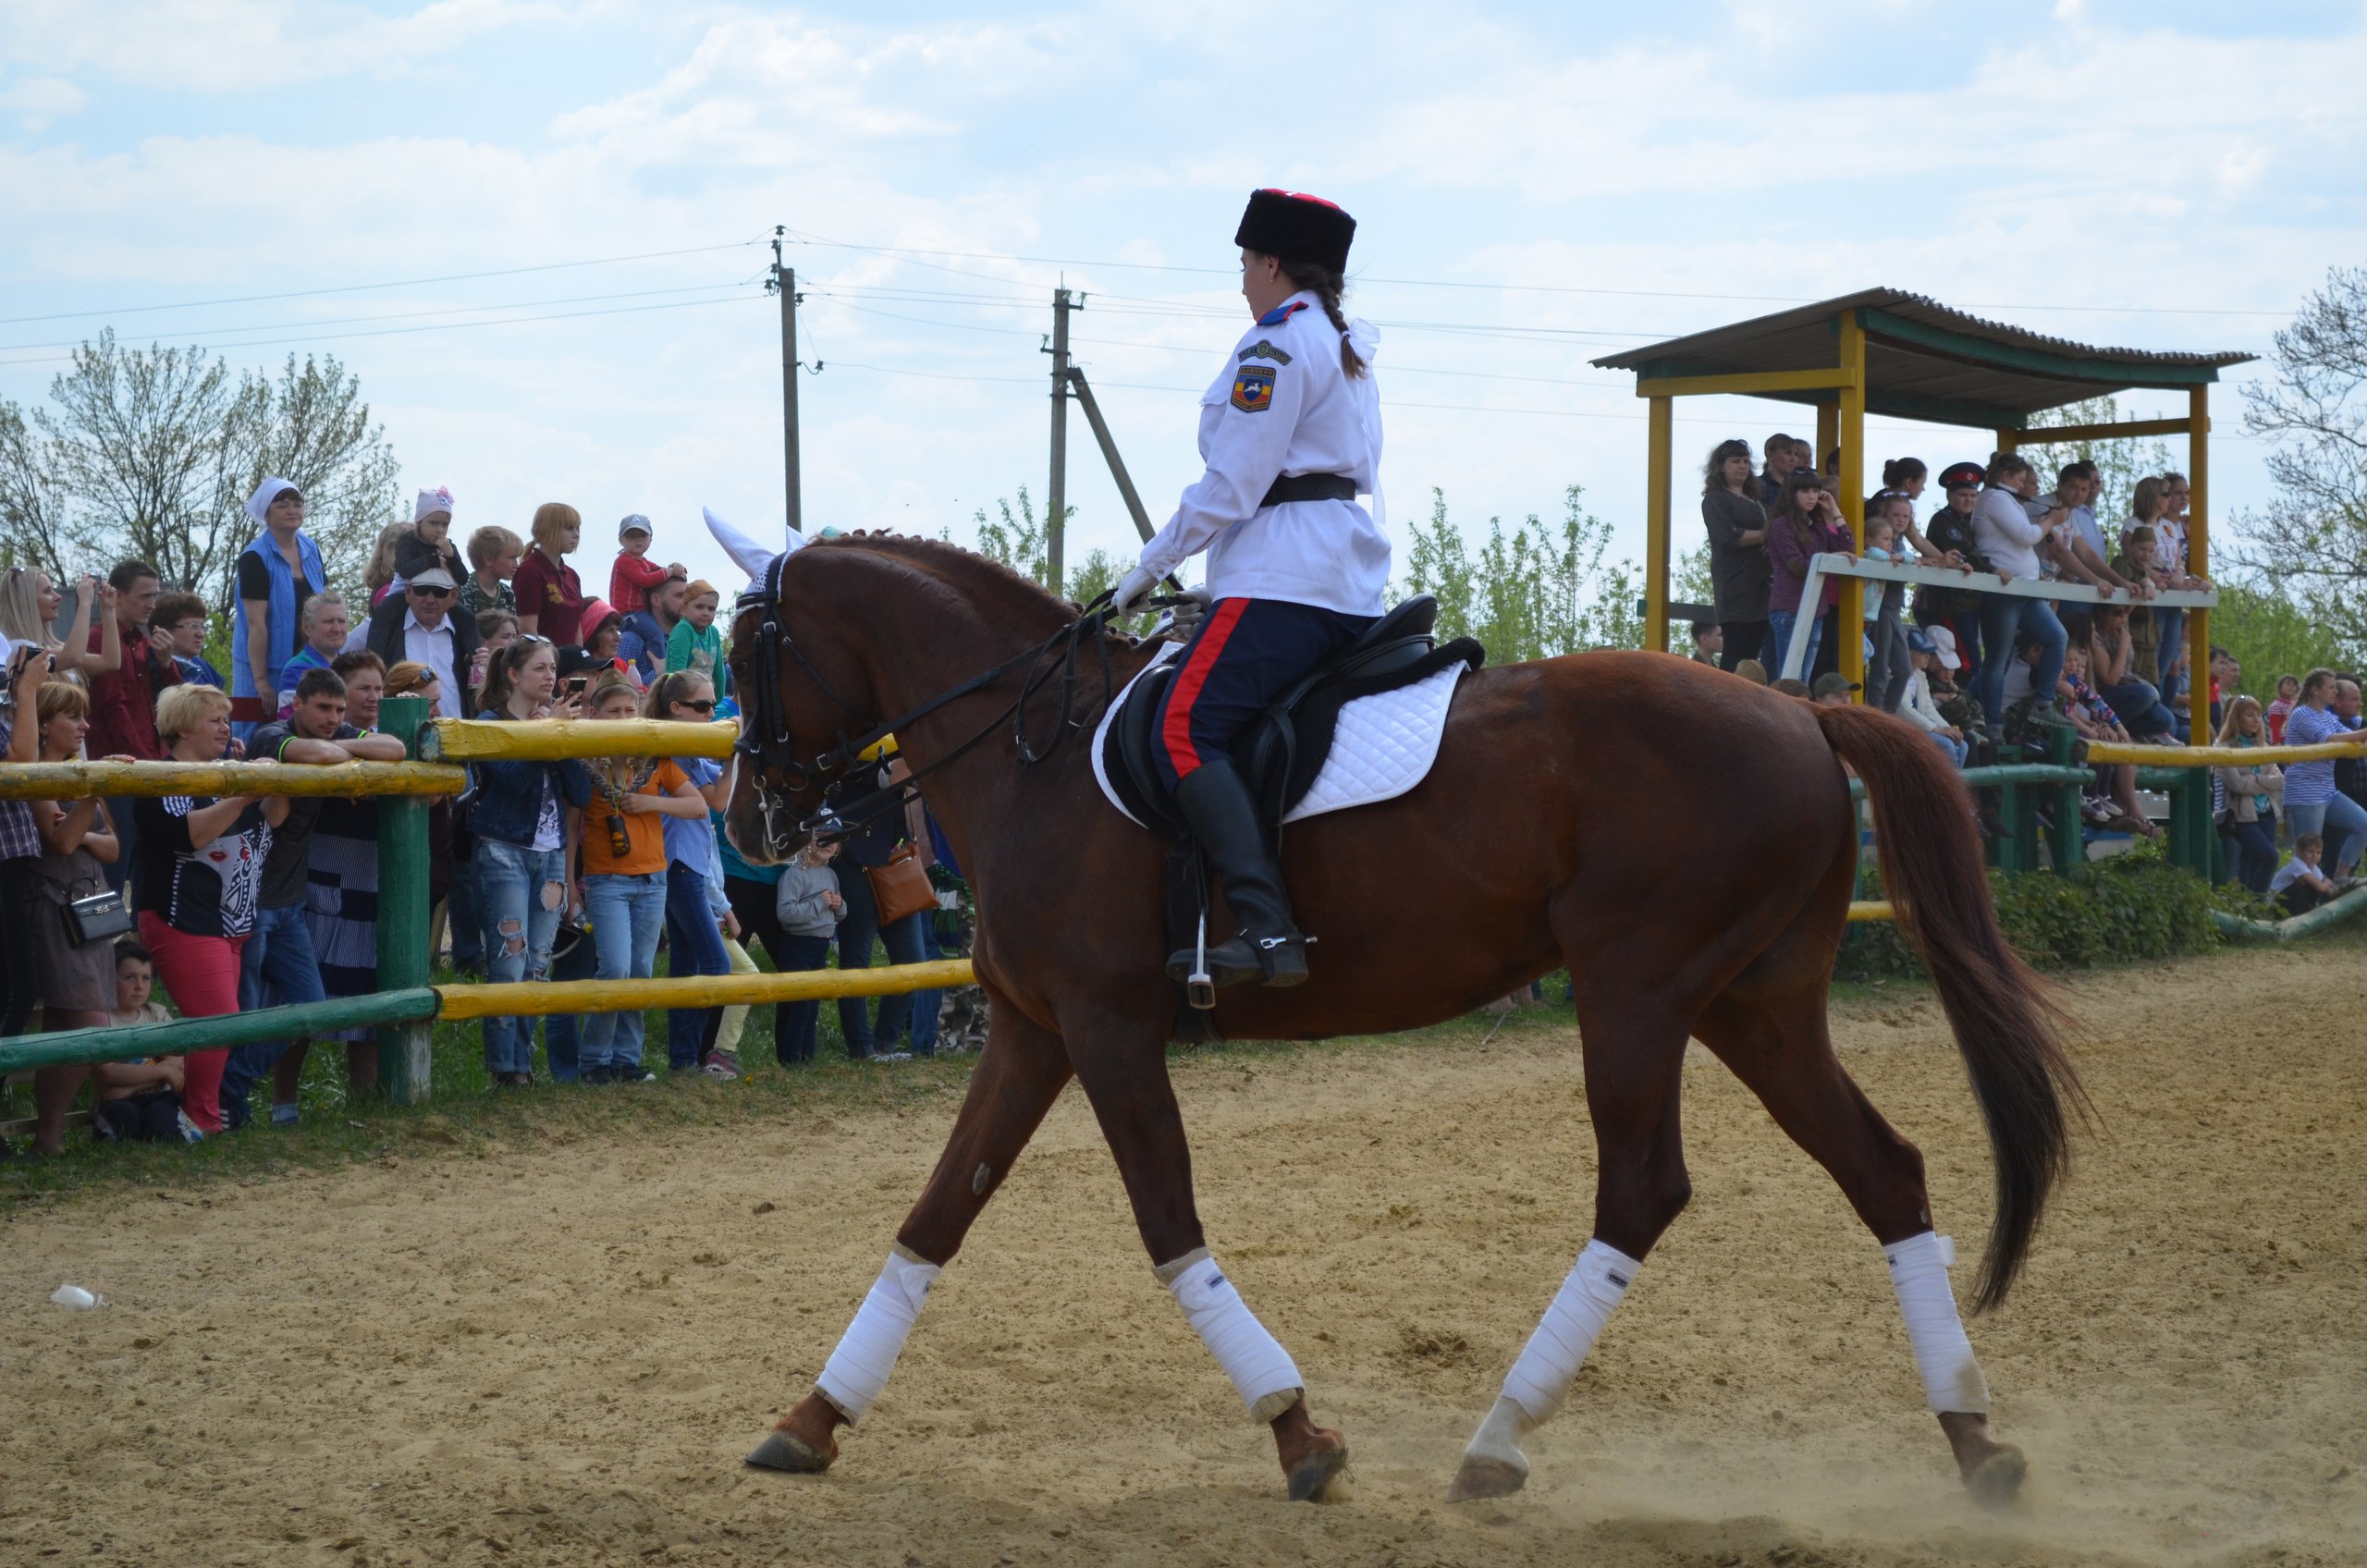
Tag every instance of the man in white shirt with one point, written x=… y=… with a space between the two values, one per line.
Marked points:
x=419 y=624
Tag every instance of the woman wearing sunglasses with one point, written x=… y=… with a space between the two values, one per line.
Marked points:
x=697 y=914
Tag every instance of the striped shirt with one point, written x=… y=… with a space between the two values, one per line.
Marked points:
x=2310 y=783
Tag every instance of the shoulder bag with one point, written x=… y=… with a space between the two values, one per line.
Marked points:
x=901 y=887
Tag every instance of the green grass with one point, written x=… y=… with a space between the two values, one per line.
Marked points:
x=469 y=1117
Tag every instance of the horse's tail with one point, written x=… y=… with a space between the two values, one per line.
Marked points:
x=2007 y=1025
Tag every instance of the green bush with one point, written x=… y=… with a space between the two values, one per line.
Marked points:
x=2126 y=909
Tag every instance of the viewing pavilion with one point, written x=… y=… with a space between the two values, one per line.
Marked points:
x=1886 y=351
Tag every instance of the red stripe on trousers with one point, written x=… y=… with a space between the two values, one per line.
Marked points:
x=1175 y=730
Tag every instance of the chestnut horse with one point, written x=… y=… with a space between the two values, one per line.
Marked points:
x=1681 y=841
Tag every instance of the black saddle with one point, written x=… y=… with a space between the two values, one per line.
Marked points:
x=1281 y=751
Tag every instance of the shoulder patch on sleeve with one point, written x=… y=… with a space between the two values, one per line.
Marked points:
x=1264 y=350
x=1282 y=312
x=1253 y=389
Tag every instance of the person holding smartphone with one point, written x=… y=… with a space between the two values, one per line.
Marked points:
x=526 y=817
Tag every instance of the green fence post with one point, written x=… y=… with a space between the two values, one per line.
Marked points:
x=2068 y=846
x=403 y=912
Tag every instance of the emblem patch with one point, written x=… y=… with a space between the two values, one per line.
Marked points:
x=1253 y=389
x=1264 y=350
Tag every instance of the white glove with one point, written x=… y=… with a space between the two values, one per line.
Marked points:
x=1138 y=585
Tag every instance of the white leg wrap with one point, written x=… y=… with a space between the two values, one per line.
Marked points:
x=1918 y=1272
x=858 y=1369
x=1261 y=1370
x=1540 y=1378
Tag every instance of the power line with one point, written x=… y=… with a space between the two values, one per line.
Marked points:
x=363 y=288
x=1500 y=288
x=446 y=326
x=416 y=315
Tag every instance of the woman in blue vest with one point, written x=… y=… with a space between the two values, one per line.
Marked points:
x=276 y=575
x=1291 y=432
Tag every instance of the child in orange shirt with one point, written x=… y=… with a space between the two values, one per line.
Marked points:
x=622 y=888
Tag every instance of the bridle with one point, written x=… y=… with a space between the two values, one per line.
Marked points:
x=778 y=775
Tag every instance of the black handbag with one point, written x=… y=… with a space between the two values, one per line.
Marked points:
x=99 y=918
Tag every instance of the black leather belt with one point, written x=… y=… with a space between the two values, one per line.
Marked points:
x=1310 y=488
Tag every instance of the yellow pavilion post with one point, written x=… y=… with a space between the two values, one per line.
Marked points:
x=1849 y=622
x=2198 y=556
x=1661 y=447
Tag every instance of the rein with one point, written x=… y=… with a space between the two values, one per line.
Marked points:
x=765 y=730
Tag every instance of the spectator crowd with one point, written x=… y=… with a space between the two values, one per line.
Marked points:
x=1985 y=672
x=560 y=870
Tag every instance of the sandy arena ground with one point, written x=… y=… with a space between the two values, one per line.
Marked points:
x=558 y=1355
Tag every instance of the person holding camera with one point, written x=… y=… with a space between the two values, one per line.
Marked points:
x=75 y=918
x=27 y=666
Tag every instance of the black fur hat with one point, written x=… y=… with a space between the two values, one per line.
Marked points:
x=1296 y=227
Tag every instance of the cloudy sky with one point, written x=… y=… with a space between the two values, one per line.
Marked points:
x=1536 y=186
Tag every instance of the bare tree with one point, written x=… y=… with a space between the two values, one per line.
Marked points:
x=311 y=426
x=152 y=452
x=32 y=509
x=2313 y=535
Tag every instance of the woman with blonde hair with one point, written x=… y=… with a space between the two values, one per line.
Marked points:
x=29 y=606
x=197 y=875
x=2245 y=799
x=74 y=974
x=379 y=575
x=550 y=596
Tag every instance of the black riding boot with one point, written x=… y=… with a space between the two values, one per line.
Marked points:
x=1216 y=803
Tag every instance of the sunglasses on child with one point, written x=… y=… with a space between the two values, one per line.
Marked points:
x=705 y=705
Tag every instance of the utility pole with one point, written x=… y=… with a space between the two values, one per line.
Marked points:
x=1126 y=490
x=783 y=282
x=1056 y=510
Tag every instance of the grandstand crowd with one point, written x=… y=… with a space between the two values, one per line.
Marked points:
x=137 y=909
x=1985 y=673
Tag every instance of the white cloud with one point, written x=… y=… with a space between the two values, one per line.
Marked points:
x=245 y=46
x=38 y=102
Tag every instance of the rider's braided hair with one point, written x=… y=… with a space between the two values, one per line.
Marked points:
x=1327 y=285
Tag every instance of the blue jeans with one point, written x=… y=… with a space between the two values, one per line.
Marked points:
x=925 y=1004
x=1956 y=749
x=525 y=891
x=2251 y=853
x=693 y=946
x=464 y=914
x=858 y=925
x=1779 y=644
x=626 y=912
x=2340 y=821
x=2002 y=615
x=794 y=1041
x=2170 y=624
x=2141 y=707
x=563 y=1032
x=276 y=969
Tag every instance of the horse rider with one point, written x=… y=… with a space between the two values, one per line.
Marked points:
x=1290 y=431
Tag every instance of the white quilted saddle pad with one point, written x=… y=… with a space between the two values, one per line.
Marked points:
x=1381 y=746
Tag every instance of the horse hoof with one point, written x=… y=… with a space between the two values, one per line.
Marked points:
x=1319 y=1476
x=780 y=1451
x=1997 y=1480
x=1485 y=1478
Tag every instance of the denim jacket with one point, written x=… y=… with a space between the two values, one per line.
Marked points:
x=508 y=796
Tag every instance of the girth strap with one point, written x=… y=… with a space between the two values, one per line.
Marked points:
x=1309 y=487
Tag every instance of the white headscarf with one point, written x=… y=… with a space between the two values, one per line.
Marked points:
x=259 y=504
x=745 y=552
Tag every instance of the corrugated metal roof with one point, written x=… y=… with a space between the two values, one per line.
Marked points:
x=1925 y=360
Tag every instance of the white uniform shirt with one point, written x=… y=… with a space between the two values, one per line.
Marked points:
x=1282 y=405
